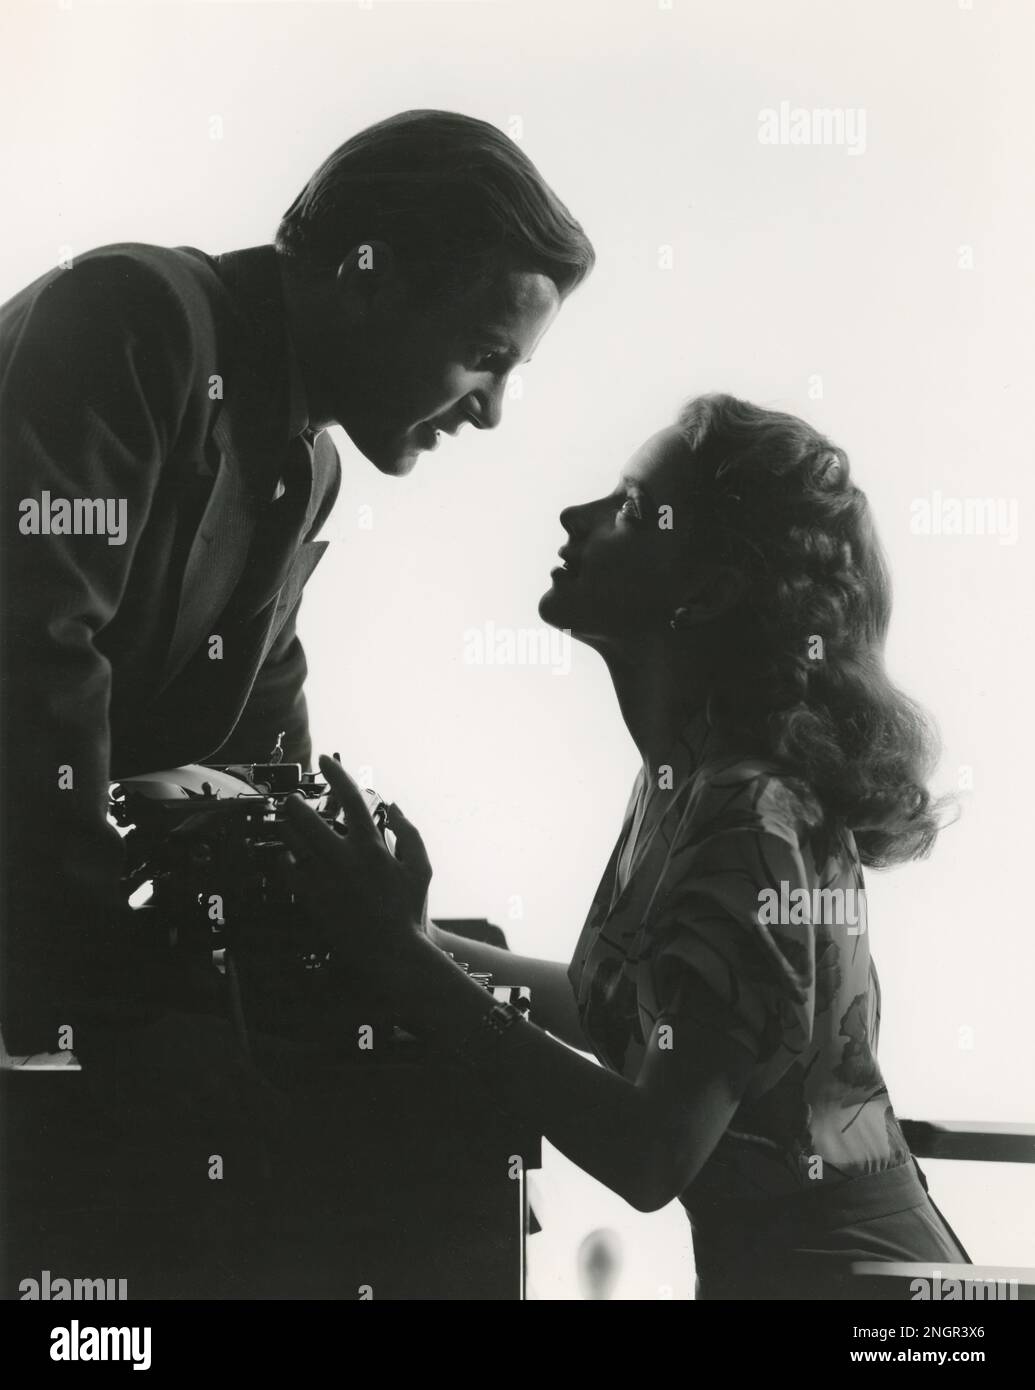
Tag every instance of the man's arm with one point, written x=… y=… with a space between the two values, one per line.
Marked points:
x=95 y=379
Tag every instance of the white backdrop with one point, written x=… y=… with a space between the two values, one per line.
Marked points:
x=876 y=285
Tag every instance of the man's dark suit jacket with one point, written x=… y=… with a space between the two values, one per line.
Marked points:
x=160 y=377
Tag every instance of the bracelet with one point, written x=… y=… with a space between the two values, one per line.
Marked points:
x=498 y=1019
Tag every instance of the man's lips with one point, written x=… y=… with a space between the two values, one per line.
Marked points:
x=431 y=430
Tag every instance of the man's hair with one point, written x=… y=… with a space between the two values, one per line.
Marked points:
x=456 y=200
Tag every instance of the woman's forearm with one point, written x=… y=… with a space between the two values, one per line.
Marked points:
x=553 y=1001
x=600 y=1121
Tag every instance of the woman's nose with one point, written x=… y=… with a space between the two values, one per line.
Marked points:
x=573 y=519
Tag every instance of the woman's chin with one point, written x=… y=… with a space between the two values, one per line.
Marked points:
x=551 y=608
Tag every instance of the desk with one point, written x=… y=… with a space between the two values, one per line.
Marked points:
x=393 y=1178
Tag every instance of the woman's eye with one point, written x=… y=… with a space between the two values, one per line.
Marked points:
x=629 y=509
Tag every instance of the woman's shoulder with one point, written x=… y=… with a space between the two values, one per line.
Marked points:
x=749 y=792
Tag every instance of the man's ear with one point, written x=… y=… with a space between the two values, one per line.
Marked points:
x=713 y=594
x=369 y=273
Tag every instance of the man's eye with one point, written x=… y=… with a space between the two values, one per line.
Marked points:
x=629 y=509
x=490 y=359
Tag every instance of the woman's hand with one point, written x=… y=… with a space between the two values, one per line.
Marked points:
x=412 y=859
x=369 y=903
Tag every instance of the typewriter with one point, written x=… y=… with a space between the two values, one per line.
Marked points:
x=207 y=874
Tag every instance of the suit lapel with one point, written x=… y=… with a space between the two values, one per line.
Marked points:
x=321 y=487
x=308 y=557
x=249 y=439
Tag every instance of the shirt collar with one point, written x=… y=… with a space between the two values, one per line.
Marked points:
x=252 y=279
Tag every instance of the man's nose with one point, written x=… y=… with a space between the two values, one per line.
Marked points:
x=489 y=410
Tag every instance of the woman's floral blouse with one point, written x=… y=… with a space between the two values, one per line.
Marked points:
x=709 y=910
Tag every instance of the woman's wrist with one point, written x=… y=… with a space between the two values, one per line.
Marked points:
x=440 y=1000
x=408 y=968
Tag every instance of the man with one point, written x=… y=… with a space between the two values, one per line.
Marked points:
x=164 y=480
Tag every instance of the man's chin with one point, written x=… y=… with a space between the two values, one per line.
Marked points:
x=395 y=458
x=397 y=465
x=394 y=455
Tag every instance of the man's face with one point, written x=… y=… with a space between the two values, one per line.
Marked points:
x=411 y=373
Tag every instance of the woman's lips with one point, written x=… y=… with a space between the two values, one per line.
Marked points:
x=565 y=569
x=428 y=436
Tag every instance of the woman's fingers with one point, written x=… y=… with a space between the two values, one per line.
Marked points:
x=351 y=800
x=409 y=847
x=305 y=830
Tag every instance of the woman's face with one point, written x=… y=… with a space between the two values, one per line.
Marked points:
x=626 y=557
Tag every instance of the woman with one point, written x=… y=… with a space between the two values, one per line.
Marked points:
x=735 y=588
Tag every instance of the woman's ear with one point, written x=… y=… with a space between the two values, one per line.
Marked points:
x=713 y=594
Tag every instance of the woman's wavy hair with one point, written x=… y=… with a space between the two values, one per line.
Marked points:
x=803 y=678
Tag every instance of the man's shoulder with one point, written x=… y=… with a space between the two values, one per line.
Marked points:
x=133 y=280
